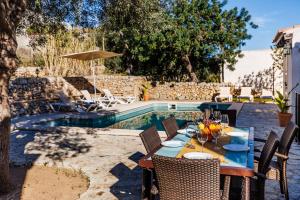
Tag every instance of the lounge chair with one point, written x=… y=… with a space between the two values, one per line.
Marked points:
x=66 y=104
x=88 y=100
x=246 y=93
x=114 y=99
x=266 y=94
x=224 y=93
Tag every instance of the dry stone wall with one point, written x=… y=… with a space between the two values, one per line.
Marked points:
x=32 y=95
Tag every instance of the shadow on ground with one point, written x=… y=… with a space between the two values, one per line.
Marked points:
x=129 y=180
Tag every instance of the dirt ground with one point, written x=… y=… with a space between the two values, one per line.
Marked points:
x=46 y=183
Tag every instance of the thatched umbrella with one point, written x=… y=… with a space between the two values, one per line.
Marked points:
x=90 y=56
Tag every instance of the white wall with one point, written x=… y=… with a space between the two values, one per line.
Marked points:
x=294 y=65
x=253 y=61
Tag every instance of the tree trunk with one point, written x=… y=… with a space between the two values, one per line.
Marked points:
x=8 y=46
x=11 y=13
x=189 y=68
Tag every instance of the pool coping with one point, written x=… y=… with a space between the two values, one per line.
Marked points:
x=29 y=123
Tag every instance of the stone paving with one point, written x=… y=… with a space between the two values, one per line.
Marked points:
x=109 y=157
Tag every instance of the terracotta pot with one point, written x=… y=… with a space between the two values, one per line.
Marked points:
x=284 y=118
x=146 y=97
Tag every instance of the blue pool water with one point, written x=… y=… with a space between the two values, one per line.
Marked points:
x=141 y=118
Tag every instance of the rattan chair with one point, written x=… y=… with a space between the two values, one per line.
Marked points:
x=170 y=126
x=183 y=179
x=278 y=168
x=150 y=139
x=262 y=165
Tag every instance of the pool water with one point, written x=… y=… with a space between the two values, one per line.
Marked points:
x=141 y=118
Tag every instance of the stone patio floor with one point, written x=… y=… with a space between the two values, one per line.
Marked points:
x=110 y=159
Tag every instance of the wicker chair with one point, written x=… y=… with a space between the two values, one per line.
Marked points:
x=262 y=165
x=183 y=179
x=170 y=126
x=151 y=139
x=278 y=168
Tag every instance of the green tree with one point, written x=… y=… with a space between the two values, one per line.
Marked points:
x=40 y=15
x=176 y=40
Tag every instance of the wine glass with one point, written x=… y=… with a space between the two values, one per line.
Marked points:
x=224 y=121
x=217 y=116
x=216 y=134
x=202 y=138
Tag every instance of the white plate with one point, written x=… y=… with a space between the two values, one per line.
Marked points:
x=237 y=134
x=236 y=147
x=185 y=131
x=173 y=143
x=194 y=127
x=197 y=155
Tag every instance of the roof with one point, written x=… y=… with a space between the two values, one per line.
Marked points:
x=282 y=31
x=91 y=55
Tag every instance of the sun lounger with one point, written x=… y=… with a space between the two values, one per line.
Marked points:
x=114 y=99
x=246 y=93
x=266 y=94
x=88 y=100
x=224 y=93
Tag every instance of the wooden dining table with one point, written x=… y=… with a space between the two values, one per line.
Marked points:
x=232 y=163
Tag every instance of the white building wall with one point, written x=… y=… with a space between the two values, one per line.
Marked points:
x=253 y=61
x=294 y=66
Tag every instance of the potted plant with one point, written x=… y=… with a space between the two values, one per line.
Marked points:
x=281 y=101
x=145 y=90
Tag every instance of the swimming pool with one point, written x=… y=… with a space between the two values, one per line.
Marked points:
x=141 y=118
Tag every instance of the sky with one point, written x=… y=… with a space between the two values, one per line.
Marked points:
x=269 y=15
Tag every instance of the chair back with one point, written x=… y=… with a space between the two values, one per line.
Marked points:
x=246 y=91
x=225 y=91
x=86 y=95
x=150 y=139
x=63 y=97
x=267 y=153
x=107 y=93
x=187 y=179
x=287 y=138
x=266 y=93
x=170 y=126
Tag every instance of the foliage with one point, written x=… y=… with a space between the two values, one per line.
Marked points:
x=64 y=42
x=277 y=56
x=260 y=80
x=282 y=102
x=145 y=88
x=178 y=40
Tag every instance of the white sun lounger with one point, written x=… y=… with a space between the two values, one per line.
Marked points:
x=66 y=103
x=266 y=94
x=87 y=99
x=246 y=93
x=114 y=99
x=224 y=93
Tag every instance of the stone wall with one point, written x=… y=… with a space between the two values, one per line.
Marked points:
x=185 y=91
x=33 y=95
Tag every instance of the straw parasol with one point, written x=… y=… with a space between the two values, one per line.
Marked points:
x=90 y=56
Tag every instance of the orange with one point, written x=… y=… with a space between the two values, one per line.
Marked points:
x=201 y=126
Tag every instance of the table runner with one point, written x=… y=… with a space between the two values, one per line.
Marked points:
x=227 y=158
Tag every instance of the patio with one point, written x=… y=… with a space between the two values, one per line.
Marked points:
x=119 y=177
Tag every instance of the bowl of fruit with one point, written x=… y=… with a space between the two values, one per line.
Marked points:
x=209 y=127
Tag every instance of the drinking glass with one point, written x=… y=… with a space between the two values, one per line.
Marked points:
x=216 y=134
x=202 y=138
x=224 y=121
x=217 y=115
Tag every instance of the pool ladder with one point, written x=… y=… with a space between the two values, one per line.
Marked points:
x=172 y=106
